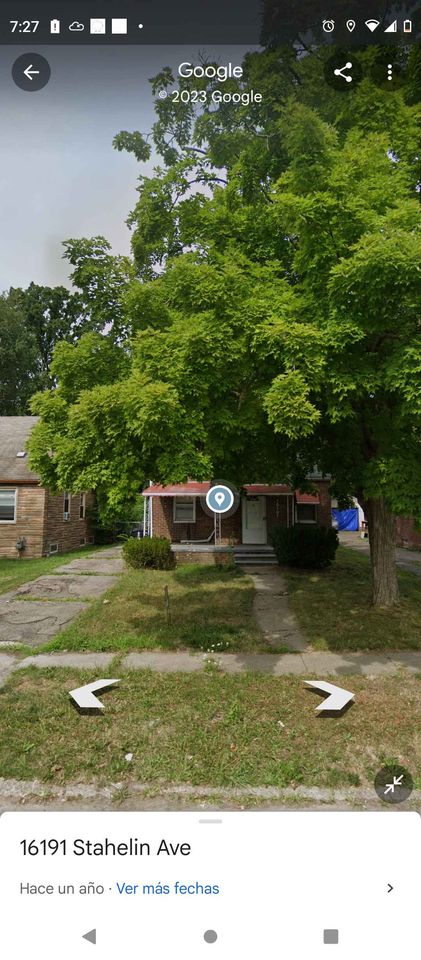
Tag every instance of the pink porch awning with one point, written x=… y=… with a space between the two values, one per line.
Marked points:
x=266 y=490
x=193 y=488
x=306 y=497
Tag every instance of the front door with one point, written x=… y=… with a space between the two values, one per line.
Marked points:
x=254 y=520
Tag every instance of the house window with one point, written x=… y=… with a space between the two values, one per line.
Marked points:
x=66 y=505
x=53 y=548
x=7 y=506
x=82 y=506
x=306 y=513
x=184 y=510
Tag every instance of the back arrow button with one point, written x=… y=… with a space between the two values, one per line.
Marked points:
x=31 y=72
x=90 y=936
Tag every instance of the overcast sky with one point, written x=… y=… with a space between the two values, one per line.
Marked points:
x=59 y=175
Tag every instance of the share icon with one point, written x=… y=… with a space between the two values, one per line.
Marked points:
x=340 y=72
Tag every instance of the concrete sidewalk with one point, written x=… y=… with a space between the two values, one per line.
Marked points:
x=166 y=661
x=130 y=795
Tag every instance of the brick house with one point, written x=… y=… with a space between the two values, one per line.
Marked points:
x=33 y=522
x=406 y=533
x=177 y=512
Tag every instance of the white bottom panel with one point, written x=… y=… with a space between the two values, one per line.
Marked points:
x=233 y=885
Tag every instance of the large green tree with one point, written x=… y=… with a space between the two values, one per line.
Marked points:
x=50 y=314
x=33 y=321
x=273 y=322
x=18 y=361
x=100 y=280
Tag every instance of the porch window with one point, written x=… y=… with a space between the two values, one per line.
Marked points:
x=66 y=505
x=184 y=510
x=306 y=513
x=82 y=506
x=7 y=506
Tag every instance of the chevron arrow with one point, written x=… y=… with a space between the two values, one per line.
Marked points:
x=84 y=697
x=337 y=698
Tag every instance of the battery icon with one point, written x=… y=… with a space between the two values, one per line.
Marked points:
x=54 y=26
x=407 y=26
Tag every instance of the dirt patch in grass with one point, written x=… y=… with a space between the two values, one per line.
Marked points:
x=210 y=609
x=206 y=729
x=333 y=607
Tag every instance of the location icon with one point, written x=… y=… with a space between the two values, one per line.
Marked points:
x=351 y=25
x=220 y=498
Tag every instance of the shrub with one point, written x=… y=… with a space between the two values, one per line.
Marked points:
x=305 y=546
x=152 y=552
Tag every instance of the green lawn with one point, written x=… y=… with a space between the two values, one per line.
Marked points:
x=206 y=729
x=333 y=607
x=13 y=573
x=210 y=610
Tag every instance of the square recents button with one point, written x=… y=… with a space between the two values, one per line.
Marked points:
x=330 y=936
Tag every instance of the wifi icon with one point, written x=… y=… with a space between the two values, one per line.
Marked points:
x=372 y=24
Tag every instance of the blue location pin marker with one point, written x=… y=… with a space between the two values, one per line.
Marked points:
x=220 y=498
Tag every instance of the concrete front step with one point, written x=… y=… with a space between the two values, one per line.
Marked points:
x=254 y=551
x=259 y=561
x=260 y=556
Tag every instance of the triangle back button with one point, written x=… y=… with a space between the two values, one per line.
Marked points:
x=90 y=936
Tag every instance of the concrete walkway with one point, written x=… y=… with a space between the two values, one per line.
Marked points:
x=312 y=663
x=271 y=609
x=69 y=587
x=409 y=560
x=36 y=611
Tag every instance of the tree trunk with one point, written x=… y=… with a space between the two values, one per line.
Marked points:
x=381 y=531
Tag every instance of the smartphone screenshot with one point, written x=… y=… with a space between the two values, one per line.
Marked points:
x=210 y=479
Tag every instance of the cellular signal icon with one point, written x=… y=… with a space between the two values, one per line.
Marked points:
x=372 y=24
x=393 y=28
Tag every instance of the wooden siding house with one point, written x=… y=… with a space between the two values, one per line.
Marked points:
x=33 y=522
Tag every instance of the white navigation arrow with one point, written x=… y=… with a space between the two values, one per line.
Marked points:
x=84 y=697
x=337 y=697
x=30 y=72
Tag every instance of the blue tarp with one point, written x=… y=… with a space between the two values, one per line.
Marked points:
x=346 y=519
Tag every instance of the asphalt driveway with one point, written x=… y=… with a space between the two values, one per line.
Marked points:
x=409 y=560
